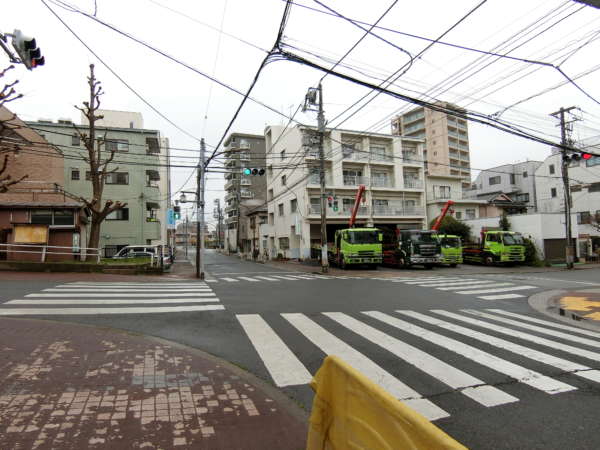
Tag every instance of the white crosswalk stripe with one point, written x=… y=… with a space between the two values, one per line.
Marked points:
x=469 y=286
x=342 y=333
x=101 y=298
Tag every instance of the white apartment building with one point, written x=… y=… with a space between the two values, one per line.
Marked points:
x=390 y=167
x=584 y=181
x=441 y=188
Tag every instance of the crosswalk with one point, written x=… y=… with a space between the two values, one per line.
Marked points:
x=274 y=277
x=475 y=336
x=99 y=298
x=482 y=289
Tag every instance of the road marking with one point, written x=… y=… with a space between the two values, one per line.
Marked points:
x=468 y=385
x=110 y=294
x=210 y=280
x=248 y=279
x=459 y=284
x=230 y=280
x=483 y=284
x=99 y=311
x=560 y=363
x=547 y=323
x=453 y=283
x=149 y=291
x=302 y=277
x=267 y=278
x=283 y=366
x=522 y=374
x=331 y=345
x=491 y=291
x=424 y=282
x=522 y=335
x=114 y=284
x=284 y=278
x=542 y=330
x=501 y=297
x=112 y=301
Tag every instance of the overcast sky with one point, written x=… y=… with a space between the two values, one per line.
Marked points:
x=551 y=31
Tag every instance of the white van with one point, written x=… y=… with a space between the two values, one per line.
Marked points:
x=140 y=251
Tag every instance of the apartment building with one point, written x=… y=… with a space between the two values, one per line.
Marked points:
x=441 y=188
x=391 y=168
x=584 y=176
x=446 y=137
x=242 y=151
x=141 y=176
x=516 y=181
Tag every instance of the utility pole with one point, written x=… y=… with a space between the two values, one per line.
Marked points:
x=311 y=100
x=187 y=234
x=564 y=164
x=200 y=219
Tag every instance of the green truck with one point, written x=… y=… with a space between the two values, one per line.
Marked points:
x=452 y=250
x=354 y=246
x=496 y=247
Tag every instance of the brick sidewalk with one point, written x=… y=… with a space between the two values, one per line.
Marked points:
x=581 y=304
x=65 y=386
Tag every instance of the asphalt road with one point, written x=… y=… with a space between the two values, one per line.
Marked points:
x=465 y=350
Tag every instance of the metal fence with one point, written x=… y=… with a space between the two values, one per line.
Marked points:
x=42 y=250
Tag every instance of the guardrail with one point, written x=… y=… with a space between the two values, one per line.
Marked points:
x=43 y=250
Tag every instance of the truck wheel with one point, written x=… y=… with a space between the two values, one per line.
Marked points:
x=488 y=260
x=428 y=266
x=401 y=263
x=453 y=265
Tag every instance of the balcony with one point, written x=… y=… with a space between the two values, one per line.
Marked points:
x=230 y=208
x=230 y=195
x=381 y=183
x=355 y=155
x=315 y=178
x=413 y=183
x=245 y=182
x=313 y=153
x=235 y=146
x=382 y=157
x=350 y=180
x=244 y=156
x=412 y=117
x=230 y=162
x=411 y=157
x=246 y=194
x=343 y=212
x=398 y=211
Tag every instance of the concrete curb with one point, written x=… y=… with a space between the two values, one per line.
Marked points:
x=547 y=303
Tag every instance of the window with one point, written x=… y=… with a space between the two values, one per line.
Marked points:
x=75 y=174
x=441 y=191
x=271 y=219
x=347 y=150
x=551 y=169
x=380 y=179
x=152 y=145
x=522 y=197
x=553 y=192
x=75 y=140
x=117 y=178
x=584 y=217
x=470 y=214
x=284 y=243
x=283 y=178
x=53 y=217
x=280 y=207
x=512 y=178
x=282 y=154
x=117 y=145
x=525 y=175
x=494 y=180
x=593 y=161
x=594 y=187
x=293 y=205
x=347 y=204
x=458 y=215
x=119 y=214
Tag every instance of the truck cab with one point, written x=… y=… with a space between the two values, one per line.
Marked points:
x=496 y=247
x=412 y=247
x=356 y=246
x=451 y=248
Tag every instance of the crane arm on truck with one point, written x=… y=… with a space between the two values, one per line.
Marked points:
x=438 y=222
x=359 y=194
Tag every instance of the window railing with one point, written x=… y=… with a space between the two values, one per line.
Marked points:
x=411 y=157
x=381 y=182
x=382 y=157
x=351 y=180
x=398 y=211
x=413 y=183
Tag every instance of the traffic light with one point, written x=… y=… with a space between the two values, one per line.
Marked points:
x=577 y=156
x=330 y=201
x=27 y=50
x=335 y=206
x=254 y=171
x=177 y=212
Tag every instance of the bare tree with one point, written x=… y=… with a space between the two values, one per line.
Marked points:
x=98 y=160
x=7 y=94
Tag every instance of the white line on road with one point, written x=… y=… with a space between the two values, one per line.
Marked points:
x=501 y=296
x=522 y=335
x=455 y=283
x=267 y=278
x=484 y=284
x=331 y=345
x=230 y=280
x=560 y=363
x=547 y=323
x=248 y=279
x=433 y=281
x=491 y=291
x=99 y=311
x=522 y=374
x=285 y=368
x=110 y=294
x=115 y=284
x=285 y=278
x=149 y=290
x=470 y=386
x=111 y=301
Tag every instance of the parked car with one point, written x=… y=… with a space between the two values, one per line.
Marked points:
x=141 y=251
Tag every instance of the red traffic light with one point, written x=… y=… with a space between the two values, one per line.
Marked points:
x=586 y=156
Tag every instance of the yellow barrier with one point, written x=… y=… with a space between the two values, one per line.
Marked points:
x=351 y=412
